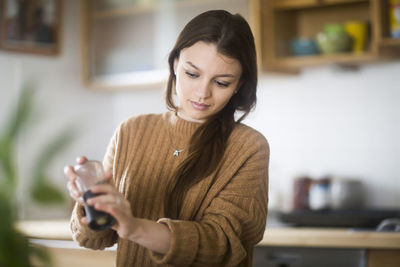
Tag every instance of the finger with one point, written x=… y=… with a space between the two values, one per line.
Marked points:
x=71 y=184
x=106 y=199
x=73 y=190
x=115 y=226
x=80 y=200
x=81 y=159
x=93 y=201
x=70 y=172
x=121 y=213
x=74 y=193
x=104 y=188
x=116 y=211
x=84 y=220
x=71 y=175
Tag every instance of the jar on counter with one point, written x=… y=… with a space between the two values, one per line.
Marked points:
x=301 y=191
x=346 y=194
x=319 y=197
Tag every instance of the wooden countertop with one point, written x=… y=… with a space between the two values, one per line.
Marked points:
x=57 y=229
x=330 y=237
x=286 y=236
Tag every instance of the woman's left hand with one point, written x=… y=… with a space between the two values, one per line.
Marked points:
x=152 y=235
x=114 y=203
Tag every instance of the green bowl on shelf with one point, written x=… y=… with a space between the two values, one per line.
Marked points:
x=334 y=39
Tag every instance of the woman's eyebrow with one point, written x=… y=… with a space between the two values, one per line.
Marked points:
x=218 y=75
x=191 y=64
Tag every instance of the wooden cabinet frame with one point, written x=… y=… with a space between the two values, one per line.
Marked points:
x=283 y=20
x=159 y=78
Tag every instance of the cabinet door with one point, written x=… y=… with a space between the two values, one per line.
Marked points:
x=383 y=258
x=308 y=257
x=126 y=43
x=381 y=12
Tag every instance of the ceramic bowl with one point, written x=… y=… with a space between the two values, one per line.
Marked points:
x=334 y=39
x=304 y=47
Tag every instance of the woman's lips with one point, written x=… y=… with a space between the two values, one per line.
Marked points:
x=199 y=106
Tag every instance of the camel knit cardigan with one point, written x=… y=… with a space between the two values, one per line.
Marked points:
x=229 y=214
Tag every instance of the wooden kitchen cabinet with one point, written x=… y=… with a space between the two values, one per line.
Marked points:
x=285 y=20
x=383 y=258
x=302 y=246
x=321 y=256
x=125 y=43
x=382 y=33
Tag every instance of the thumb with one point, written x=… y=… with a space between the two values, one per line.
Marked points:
x=108 y=176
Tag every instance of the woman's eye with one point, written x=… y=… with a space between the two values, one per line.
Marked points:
x=222 y=84
x=191 y=75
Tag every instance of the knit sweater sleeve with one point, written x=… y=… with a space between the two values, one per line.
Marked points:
x=82 y=233
x=233 y=223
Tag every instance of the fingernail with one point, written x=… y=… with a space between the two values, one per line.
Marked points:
x=66 y=169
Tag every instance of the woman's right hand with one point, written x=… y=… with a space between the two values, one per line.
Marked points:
x=71 y=185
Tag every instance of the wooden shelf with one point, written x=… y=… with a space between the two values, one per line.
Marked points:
x=286 y=20
x=339 y=58
x=124 y=46
x=135 y=9
x=130 y=80
x=300 y=4
x=339 y=2
x=124 y=11
x=294 y=4
x=390 y=42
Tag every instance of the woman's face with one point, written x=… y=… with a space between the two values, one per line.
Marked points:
x=205 y=81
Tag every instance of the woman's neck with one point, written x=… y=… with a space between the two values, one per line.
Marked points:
x=187 y=118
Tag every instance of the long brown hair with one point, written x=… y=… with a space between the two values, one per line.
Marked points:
x=233 y=38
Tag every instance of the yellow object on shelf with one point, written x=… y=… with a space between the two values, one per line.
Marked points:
x=358 y=32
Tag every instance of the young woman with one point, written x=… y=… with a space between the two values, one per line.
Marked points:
x=188 y=187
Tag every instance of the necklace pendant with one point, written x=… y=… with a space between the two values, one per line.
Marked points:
x=176 y=152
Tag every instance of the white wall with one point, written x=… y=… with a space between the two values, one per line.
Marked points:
x=324 y=121
x=328 y=121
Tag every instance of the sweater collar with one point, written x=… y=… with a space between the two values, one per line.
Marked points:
x=180 y=127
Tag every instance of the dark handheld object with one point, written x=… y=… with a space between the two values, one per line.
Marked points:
x=98 y=220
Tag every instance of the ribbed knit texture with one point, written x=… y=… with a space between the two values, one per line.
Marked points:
x=230 y=214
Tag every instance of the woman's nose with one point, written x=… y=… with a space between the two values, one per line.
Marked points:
x=204 y=90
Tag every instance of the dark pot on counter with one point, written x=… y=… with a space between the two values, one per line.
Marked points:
x=346 y=194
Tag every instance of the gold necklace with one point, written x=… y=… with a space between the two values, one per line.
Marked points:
x=176 y=151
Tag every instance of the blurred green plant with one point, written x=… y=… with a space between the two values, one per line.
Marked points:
x=15 y=249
